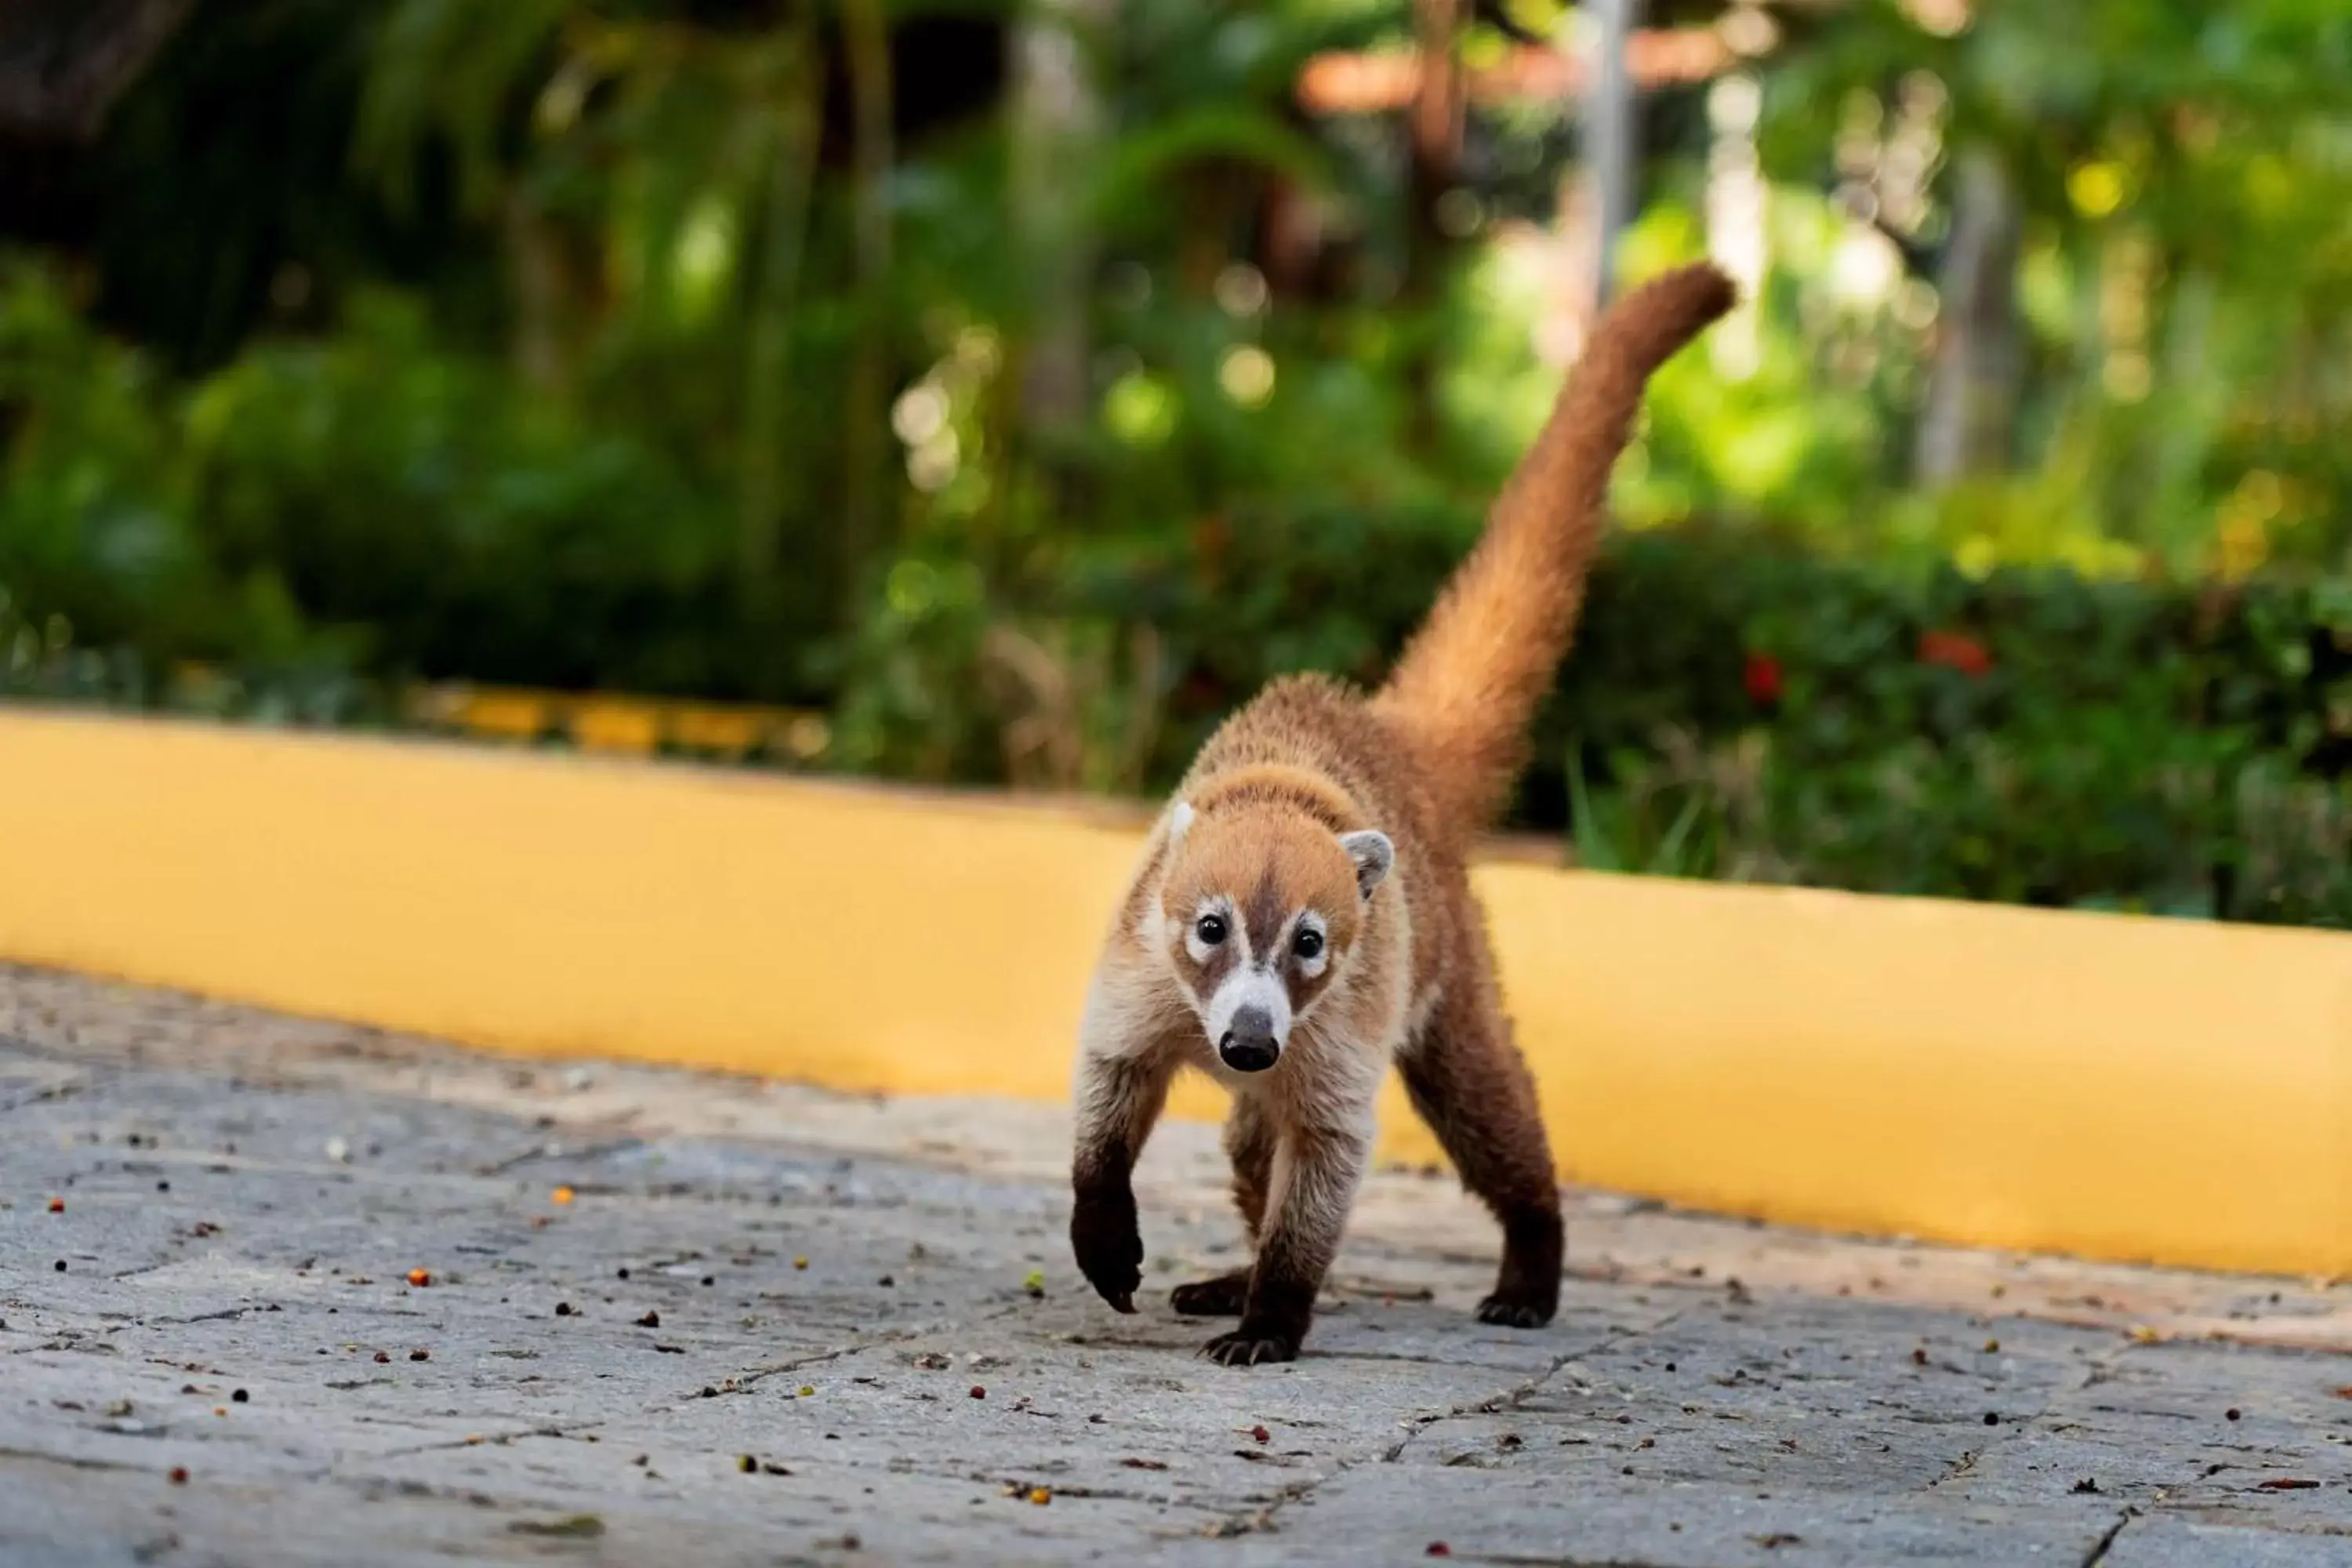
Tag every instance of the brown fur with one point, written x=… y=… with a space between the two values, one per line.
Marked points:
x=1255 y=847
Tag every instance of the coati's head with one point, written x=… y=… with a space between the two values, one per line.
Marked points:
x=1261 y=906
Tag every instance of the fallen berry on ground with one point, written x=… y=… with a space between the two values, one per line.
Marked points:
x=420 y=1277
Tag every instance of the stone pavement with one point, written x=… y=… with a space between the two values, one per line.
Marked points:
x=681 y=1318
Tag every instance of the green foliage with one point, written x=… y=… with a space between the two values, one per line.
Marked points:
x=2033 y=737
x=691 y=346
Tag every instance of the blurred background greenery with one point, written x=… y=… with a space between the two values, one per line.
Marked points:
x=1018 y=386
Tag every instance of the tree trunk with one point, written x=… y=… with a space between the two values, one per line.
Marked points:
x=1055 y=119
x=63 y=63
x=1433 y=124
x=1968 y=424
x=867 y=38
x=783 y=238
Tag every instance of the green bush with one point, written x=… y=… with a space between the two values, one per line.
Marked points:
x=2030 y=737
x=327 y=519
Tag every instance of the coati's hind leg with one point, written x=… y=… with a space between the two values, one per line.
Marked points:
x=1249 y=1145
x=1468 y=1082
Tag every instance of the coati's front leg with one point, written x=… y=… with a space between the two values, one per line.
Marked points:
x=1249 y=1145
x=1120 y=1094
x=1318 y=1166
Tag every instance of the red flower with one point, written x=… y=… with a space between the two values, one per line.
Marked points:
x=1955 y=650
x=1762 y=677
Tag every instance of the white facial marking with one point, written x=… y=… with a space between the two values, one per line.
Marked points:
x=1249 y=987
x=1220 y=909
x=1308 y=920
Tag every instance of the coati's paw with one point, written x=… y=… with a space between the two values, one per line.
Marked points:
x=1251 y=1347
x=1109 y=1248
x=1218 y=1298
x=1513 y=1314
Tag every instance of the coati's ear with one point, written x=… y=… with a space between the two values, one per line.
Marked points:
x=1180 y=822
x=1373 y=855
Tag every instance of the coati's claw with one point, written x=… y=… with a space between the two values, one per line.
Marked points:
x=1512 y=1314
x=1241 y=1348
x=1218 y=1298
x=1109 y=1247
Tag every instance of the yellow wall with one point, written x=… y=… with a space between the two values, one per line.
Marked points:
x=2115 y=1087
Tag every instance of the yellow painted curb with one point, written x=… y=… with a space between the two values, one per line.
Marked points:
x=2107 y=1086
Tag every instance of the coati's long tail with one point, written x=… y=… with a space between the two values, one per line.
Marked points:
x=1469 y=682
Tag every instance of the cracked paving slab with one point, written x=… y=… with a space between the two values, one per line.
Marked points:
x=684 y=1316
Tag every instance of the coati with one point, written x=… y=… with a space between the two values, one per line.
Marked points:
x=1302 y=913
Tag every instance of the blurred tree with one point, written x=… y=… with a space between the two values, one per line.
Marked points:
x=2156 y=187
x=63 y=63
x=1025 y=380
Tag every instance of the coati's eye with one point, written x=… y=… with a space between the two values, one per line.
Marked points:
x=1308 y=943
x=1211 y=929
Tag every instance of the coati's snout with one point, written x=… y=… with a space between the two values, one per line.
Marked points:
x=1249 y=1044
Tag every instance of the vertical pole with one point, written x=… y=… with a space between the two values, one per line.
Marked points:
x=1057 y=118
x=1608 y=129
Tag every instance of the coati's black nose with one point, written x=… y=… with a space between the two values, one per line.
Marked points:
x=1250 y=1046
